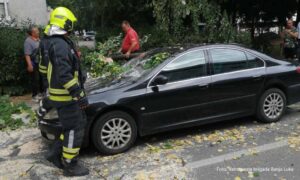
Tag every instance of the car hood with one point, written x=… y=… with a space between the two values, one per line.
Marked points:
x=99 y=85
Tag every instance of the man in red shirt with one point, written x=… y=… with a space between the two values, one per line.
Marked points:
x=131 y=41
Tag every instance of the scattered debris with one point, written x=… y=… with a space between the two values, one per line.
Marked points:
x=237 y=178
x=294 y=139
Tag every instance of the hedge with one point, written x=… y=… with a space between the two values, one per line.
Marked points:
x=13 y=75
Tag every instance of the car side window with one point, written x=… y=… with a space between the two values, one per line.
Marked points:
x=187 y=66
x=228 y=60
x=254 y=62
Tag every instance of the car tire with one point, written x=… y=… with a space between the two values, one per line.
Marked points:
x=271 y=105
x=110 y=128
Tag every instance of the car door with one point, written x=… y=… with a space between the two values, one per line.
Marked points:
x=182 y=98
x=237 y=79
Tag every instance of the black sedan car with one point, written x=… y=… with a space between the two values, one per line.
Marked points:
x=179 y=87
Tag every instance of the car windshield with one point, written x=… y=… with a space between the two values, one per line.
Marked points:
x=135 y=68
x=143 y=64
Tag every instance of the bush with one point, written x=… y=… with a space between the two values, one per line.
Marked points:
x=243 y=38
x=13 y=75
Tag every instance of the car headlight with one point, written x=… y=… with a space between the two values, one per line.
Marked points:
x=52 y=114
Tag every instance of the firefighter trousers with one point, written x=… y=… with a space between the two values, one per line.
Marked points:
x=73 y=121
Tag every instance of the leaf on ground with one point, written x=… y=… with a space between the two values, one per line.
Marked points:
x=175 y=158
x=236 y=157
x=294 y=142
x=167 y=145
x=256 y=174
x=237 y=178
x=198 y=139
x=105 y=172
x=250 y=174
x=141 y=175
x=253 y=151
x=153 y=149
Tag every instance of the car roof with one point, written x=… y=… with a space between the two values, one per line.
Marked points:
x=190 y=47
x=233 y=45
x=175 y=50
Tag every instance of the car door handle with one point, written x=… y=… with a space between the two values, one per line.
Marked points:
x=203 y=86
x=257 y=77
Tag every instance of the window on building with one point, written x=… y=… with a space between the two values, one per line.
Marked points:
x=2 y=10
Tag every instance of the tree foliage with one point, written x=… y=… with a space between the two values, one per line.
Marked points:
x=177 y=17
x=181 y=16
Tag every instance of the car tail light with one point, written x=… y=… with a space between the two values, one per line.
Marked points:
x=298 y=69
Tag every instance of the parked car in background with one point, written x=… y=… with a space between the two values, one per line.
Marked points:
x=89 y=36
x=192 y=86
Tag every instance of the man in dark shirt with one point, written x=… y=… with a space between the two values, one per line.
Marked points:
x=31 y=52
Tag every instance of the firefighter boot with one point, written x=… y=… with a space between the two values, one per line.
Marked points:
x=74 y=168
x=55 y=153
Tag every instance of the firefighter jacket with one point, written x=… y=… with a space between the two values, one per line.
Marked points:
x=44 y=60
x=64 y=74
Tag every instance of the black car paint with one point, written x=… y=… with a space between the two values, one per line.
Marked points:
x=195 y=101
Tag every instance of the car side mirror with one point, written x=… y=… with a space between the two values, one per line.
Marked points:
x=160 y=80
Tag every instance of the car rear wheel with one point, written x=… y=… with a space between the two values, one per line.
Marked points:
x=114 y=132
x=271 y=106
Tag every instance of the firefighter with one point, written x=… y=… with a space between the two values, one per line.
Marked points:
x=45 y=104
x=66 y=91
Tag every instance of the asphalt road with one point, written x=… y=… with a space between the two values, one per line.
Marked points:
x=235 y=149
x=266 y=156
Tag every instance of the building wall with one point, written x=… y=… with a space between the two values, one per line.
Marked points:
x=35 y=10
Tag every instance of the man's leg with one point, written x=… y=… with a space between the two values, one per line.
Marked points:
x=34 y=82
x=41 y=88
x=73 y=122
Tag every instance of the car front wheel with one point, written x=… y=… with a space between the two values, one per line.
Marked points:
x=271 y=106
x=114 y=132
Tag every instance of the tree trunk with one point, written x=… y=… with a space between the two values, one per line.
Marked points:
x=298 y=12
x=252 y=28
x=102 y=20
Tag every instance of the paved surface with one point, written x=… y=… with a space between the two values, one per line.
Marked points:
x=236 y=149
